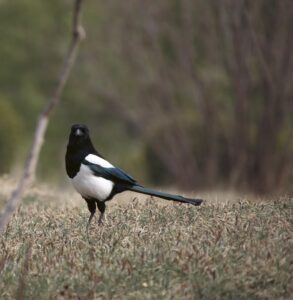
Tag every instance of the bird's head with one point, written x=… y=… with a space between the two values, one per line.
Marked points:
x=79 y=133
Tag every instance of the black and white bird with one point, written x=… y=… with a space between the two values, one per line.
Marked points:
x=97 y=180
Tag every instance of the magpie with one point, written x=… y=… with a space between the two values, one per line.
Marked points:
x=97 y=180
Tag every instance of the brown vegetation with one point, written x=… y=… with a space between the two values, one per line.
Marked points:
x=231 y=247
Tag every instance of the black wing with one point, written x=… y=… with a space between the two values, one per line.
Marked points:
x=114 y=174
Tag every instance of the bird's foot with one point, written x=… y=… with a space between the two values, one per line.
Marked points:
x=101 y=221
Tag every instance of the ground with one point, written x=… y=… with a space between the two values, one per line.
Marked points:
x=232 y=247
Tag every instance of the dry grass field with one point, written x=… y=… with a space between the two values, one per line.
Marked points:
x=229 y=248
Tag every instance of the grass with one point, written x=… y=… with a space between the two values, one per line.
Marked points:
x=239 y=248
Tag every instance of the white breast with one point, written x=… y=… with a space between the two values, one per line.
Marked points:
x=89 y=185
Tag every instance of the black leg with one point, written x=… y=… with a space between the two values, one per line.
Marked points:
x=92 y=208
x=102 y=207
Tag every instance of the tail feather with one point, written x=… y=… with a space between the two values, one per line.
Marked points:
x=146 y=191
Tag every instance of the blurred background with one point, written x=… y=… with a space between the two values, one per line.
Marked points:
x=190 y=94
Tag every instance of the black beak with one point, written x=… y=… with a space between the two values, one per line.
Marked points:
x=78 y=132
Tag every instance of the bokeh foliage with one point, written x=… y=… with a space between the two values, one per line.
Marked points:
x=192 y=93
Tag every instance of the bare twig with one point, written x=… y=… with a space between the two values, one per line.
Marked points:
x=27 y=177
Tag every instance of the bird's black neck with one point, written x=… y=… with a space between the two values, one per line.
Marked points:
x=76 y=153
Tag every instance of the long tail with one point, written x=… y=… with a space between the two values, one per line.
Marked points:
x=142 y=190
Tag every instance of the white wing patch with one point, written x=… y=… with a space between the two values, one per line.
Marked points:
x=94 y=159
x=89 y=185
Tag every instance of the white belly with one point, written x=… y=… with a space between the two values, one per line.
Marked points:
x=89 y=185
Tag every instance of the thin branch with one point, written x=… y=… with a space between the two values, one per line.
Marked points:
x=28 y=175
x=259 y=51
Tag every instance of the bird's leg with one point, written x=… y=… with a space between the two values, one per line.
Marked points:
x=89 y=221
x=102 y=207
x=92 y=208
